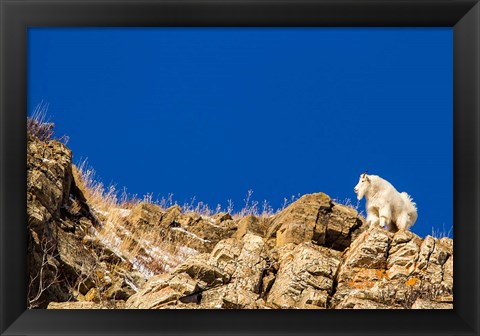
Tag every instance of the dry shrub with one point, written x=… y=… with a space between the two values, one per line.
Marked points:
x=46 y=275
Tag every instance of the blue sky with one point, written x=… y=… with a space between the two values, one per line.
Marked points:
x=214 y=112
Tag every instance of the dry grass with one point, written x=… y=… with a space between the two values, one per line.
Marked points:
x=146 y=249
x=40 y=126
x=439 y=233
x=150 y=252
x=348 y=202
x=103 y=199
x=200 y=207
x=250 y=207
x=99 y=197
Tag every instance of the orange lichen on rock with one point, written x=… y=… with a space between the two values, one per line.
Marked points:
x=412 y=281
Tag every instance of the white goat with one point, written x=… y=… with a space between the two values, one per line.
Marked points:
x=385 y=205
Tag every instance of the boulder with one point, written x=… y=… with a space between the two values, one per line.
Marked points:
x=163 y=289
x=316 y=218
x=298 y=222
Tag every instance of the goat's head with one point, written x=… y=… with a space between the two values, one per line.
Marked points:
x=362 y=186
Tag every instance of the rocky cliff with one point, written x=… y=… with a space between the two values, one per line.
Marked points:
x=314 y=254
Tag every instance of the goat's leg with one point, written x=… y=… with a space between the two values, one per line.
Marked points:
x=372 y=219
x=385 y=217
x=403 y=221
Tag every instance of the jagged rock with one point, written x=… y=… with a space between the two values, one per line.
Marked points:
x=49 y=178
x=244 y=261
x=48 y=186
x=448 y=273
x=238 y=298
x=178 y=229
x=221 y=216
x=393 y=271
x=432 y=257
x=316 y=218
x=120 y=290
x=161 y=239
x=298 y=222
x=343 y=225
x=170 y=216
x=211 y=232
x=369 y=250
x=146 y=214
x=363 y=269
x=186 y=220
x=267 y=282
x=198 y=268
x=306 y=277
x=230 y=277
x=230 y=297
x=181 y=237
x=162 y=289
x=250 y=224
x=60 y=223
x=448 y=243
x=403 y=255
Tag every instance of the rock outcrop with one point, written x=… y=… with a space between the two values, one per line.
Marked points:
x=380 y=270
x=314 y=254
x=62 y=264
x=385 y=270
x=316 y=218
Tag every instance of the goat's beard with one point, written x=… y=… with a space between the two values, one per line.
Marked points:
x=360 y=195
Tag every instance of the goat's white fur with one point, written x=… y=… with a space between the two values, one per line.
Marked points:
x=385 y=205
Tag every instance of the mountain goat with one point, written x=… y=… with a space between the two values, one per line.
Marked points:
x=385 y=205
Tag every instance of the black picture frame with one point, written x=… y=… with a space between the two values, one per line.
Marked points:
x=17 y=16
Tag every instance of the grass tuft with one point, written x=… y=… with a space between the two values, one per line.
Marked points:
x=439 y=233
x=40 y=126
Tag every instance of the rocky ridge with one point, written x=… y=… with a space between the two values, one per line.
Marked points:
x=314 y=254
